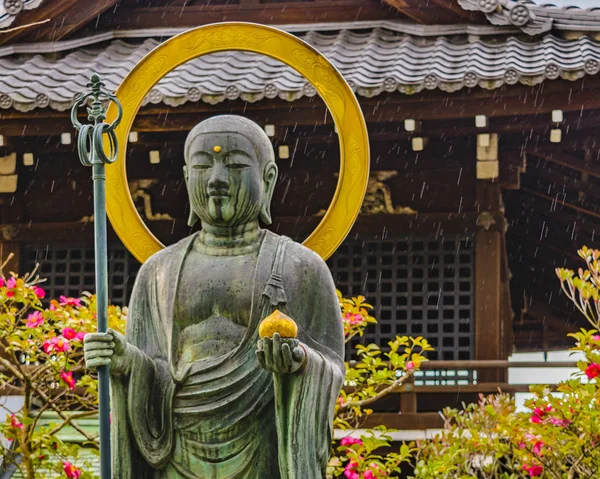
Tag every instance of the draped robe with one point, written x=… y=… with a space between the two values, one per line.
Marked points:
x=226 y=417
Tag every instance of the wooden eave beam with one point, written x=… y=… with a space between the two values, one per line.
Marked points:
x=423 y=12
x=458 y=11
x=439 y=11
x=50 y=9
x=276 y=13
x=70 y=21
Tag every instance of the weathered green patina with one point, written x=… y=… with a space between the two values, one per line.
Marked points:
x=195 y=392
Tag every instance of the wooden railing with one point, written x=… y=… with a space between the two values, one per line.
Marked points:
x=411 y=417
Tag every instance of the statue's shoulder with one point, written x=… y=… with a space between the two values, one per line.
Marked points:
x=167 y=255
x=299 y=257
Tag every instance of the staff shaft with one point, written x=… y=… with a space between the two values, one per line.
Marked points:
x=99 y=178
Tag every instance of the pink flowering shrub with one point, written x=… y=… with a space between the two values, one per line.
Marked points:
x=42 y=361
x=375 y=374
x=557 y=437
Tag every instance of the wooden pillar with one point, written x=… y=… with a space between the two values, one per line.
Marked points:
x=488 y=313
x=408 y=400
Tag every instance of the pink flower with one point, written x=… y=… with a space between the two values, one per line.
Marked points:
x=539 y=412
x=349 y=441
x=559 y=422
x=57 y=343
x=80 y=335
x=71 y=471
x=537 y=448
x=350 y=470
x=368 y=475
x=353 y=318
x=68 y=378
x=35 y=319
x=534 y=470
x=1 y=282
x=69 y=333
x=64 y=301
x=592 y=371
x=596 y=337
x=15 y=423
x=410 y=366
x=39 y=292
x=11 y=284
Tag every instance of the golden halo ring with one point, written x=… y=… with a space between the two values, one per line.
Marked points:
x=328 y=82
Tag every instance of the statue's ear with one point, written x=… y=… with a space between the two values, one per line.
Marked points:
x=269 y=180
x=193 y=218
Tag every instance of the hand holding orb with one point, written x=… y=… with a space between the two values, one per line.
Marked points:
x=278 y=349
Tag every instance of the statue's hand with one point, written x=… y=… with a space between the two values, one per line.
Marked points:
x=110 y=348
x=280 y=355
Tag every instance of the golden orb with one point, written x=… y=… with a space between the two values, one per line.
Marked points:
x=217 y=149
x=277 y=322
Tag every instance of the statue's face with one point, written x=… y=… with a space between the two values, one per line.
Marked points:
x=224 y=178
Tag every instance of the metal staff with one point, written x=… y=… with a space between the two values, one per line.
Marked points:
x=92 y=152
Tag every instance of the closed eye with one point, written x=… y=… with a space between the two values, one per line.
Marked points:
x=201 y=167
x=237 y=166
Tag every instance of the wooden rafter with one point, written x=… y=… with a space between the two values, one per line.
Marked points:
x=547 y=314
x=569 y=161
x=72 y=20
x=430 y=12
x=553 y=199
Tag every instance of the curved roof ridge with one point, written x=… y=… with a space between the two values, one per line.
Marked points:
x=534 y=18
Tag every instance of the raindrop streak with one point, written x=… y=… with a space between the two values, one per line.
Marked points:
x=294 y=152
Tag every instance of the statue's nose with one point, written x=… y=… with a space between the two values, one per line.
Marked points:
x=218 y=178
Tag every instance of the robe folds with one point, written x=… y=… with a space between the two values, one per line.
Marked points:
x=226 y=417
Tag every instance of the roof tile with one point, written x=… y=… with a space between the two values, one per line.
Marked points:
x=372 y=62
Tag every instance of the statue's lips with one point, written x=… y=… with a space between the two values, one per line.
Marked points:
x=218 y=195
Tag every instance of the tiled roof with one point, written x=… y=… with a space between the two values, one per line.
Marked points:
x=373 y=62
x=9 y=9
x=534 y=17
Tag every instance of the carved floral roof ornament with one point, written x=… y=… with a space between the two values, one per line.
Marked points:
x=10 y=9
x=534 y=18
x=378 y=198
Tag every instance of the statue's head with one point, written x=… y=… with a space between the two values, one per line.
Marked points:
x=230 y=171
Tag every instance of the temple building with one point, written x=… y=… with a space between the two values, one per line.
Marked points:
x=485 y=162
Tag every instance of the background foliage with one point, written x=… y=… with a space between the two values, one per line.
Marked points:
x=558 y=436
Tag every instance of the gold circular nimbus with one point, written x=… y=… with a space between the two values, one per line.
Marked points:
x=329 y=83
